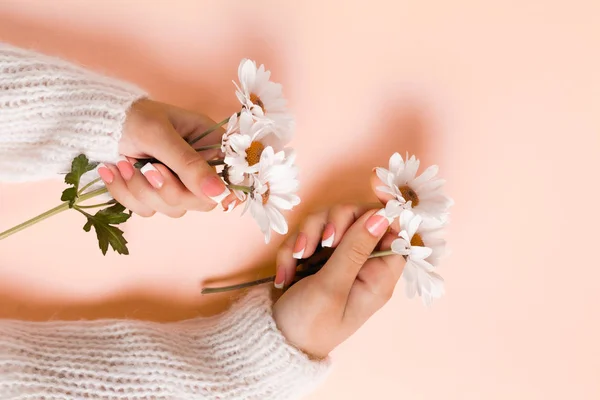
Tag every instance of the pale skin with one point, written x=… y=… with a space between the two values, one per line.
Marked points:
x=159 y=130
x=317 y=313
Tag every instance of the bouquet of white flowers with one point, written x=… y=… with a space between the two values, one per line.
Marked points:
x=257 y=165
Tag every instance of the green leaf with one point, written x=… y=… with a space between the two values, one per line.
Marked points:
x=69 y=195
x=79 y=166
x=114 y=215
x=108 y=234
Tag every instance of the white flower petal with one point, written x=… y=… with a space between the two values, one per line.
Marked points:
x=420 y=252
x=396 y=163
x=401 y=247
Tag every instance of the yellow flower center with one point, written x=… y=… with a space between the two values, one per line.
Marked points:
x=417 y=240
x=256 y=100
x=409 y=195
x=253 y=153
x=265 y=195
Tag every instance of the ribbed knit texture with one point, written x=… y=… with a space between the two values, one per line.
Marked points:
x=51 y=111
x=237 y=355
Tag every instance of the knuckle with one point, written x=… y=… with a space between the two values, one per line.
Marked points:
x=206 y=206
x=171 y=197
x=177 y=214
x=193 y=161
x=145 y=213
x=358 y=253
x=344 y=209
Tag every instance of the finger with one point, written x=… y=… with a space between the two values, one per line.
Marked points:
x=191 y=168
x=309 y=236
x=358 y=243
x=144 y=185
x=230 y=203
x=285 y=262
x=116 y=186
x=190 y=125
x=341 y=217
x=374 y=285
x=175 y=194
x=383 y=197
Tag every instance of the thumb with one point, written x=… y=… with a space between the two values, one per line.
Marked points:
x=341 y=270
x=191 y=168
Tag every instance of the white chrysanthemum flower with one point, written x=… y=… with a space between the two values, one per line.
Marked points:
x=263 y=98
x=422 y=193
x=274 y=189
x=243 y=144
x=417 y=241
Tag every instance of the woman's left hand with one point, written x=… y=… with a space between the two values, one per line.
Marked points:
x=158 y=130
x=321 y=311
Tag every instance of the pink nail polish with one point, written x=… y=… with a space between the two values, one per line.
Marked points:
x=153 y=176
x=105 y=174
x=125 y=168
x=328 y=235
x=300 y=246
x=279 y=278
x=377 y=223
x=215 y=188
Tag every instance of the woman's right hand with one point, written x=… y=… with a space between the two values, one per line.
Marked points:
x=323 y=310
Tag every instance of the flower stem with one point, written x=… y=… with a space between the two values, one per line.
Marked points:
x=216 y=162
x=209 y=147
x=382 y=253
x=238 y=286
x=108 y=203
x=35 y=220
x=56 y=210
x=88 y=185
x=311 y=266
x=245 y=189
x=209 y=130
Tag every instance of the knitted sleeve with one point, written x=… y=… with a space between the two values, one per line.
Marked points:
x=237 y=355
x=51 y=111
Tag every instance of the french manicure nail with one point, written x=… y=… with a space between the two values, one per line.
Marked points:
x=125 y=168
x=153 y=176
x=105 y=174
x=300 y=246
x=328 y=236
x=230 y=207
x=279 y=278
x=378 y=223
x=215 y=188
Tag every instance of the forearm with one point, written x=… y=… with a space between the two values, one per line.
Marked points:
x=237 y=355
x=51 y=111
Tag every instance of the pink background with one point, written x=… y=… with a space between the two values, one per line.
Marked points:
x=504 y=95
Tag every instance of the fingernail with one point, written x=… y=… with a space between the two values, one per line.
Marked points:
x=279 y=278
x=230 y=207
x=153 y=176
x=215 y=188
x=125 y=168
x=378 y=223
x=106 y=174
x=328 y=236
x=300 y=246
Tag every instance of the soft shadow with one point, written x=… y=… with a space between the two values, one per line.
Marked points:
x=208 y=89
x=406 y=126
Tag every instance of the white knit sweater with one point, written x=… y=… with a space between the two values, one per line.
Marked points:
x=51 y=111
